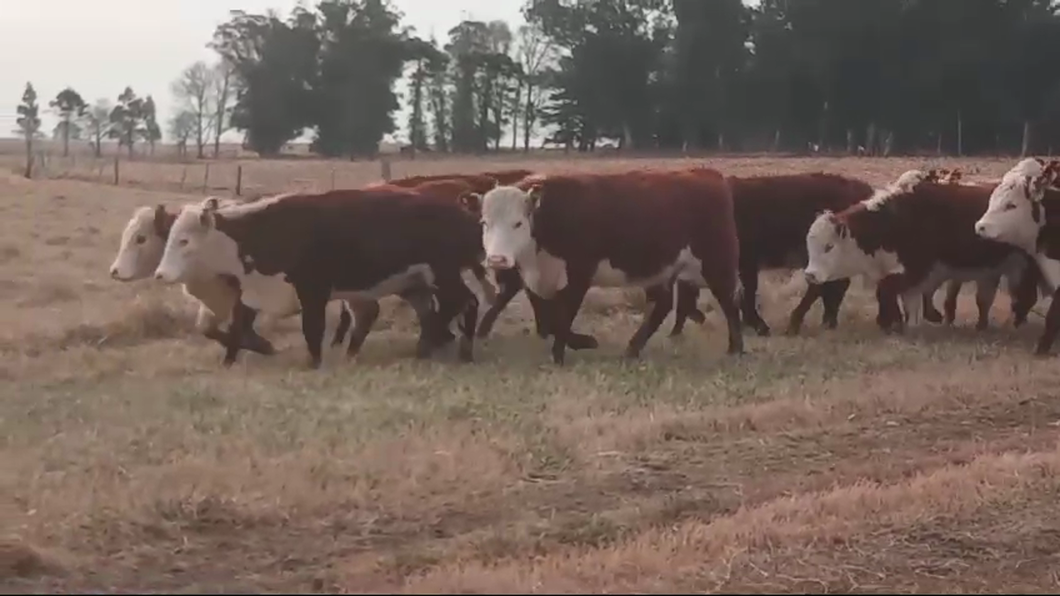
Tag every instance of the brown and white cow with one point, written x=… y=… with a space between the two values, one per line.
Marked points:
x=567 y=233
x=359 y=245
x=909 y=239
x=142 y=243
x=1024 y=212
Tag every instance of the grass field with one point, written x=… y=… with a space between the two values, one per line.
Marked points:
x=836 y=461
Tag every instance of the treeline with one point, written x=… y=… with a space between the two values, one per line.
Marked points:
x=874 y=76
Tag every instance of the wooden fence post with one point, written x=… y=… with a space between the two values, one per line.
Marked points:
x=116 y=174
x=183 y=177
x=239 y=180
x=206 y=178
x=333 y=178
x=384 y=167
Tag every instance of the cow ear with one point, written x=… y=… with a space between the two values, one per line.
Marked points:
x=160 y=220
x=472 y=202
x=207 y=218
x=496 y=182
x=535 y=195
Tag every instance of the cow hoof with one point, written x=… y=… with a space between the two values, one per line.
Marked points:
x=423 y=350
x=735 y=351
x=579 y=341
x=933 y=317
x=260 y=345
x=631 y=353
x=762 y=330
x=831 y=323
x=313 y=364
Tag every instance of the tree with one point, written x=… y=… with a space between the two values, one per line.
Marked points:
x=181 y=127
x=97 y=121
x=222 y=92
x=71 y=107
x=151 y=132
x=29 y=123
x=127 y=120
x=536 y=54
x=193 y=93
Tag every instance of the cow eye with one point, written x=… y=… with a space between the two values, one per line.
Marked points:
x=518 y=225
x=1009 y=206
x=141 y=239
x=828 y=247
x=183 y=242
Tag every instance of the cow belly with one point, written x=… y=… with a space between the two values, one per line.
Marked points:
x=686 y=267
x=545 y=274
x=419 y=275
x=270 y=294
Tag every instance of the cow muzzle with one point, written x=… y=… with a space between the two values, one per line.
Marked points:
x=980 y=230
x=499 y=262
x=811 y=277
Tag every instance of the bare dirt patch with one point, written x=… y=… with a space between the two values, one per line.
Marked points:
x=835 y=461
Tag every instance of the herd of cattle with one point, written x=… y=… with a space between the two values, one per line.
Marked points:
x=670 y=232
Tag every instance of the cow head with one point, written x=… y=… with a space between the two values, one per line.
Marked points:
x=833 y=252
x=196 y=248
x=507 y=214
x=142 y=243
x=1015 y=213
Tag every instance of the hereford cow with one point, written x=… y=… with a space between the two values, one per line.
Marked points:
x=1024 y=212
x=909 y=239
x=772 y=216
x=566 y=233
x=343 y=244
x=142 y=243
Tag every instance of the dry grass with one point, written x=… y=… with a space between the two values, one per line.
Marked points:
x=835 y=461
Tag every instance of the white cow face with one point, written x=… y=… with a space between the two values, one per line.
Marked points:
x=196 y=249
x=142 y=244
x=833 y=253
x=1015 y=214
x=507 y=214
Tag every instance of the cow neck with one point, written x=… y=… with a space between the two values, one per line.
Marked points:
x=867 y=228
x=164 y=227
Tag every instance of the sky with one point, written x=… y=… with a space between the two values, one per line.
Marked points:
x=99 y=47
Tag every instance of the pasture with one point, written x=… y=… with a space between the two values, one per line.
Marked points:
x=841 y=460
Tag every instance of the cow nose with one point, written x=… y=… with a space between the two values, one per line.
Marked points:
x=810 y=277
x=498 y=262
x=158 y=275
x=114 y=273
x=980 y=229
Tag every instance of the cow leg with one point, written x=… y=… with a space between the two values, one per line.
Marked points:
x=798 y=314
x=985 y=292
x=888 y=290
x=1052 y=326
x=687 y=296
x=454 y=297
x=949 y=306
x=832 y=294
x=345 y=320
x=1024 y=292
x=545 y=314
x=242 y=320
x=930 y=313
x=367 y=312
x=510 y=282
x=565 y=307
x=662 y=299
x=723 y=286
x=749 y=302
x=314 y=298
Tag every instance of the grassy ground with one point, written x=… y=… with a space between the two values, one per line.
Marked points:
x=834 y=461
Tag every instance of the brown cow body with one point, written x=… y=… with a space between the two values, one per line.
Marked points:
x=910 y=240
x=566 y=233
x=352 y=244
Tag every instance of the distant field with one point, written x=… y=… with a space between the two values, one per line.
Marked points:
x=837 y=461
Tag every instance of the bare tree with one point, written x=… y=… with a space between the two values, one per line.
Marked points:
x=535 y=54
x=223 y=91
x=193 y=90
x=29 y=123
x=181 y=127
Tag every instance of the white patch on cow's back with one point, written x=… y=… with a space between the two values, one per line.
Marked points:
x=237 y=210
x=904 y=184
x=420 y=274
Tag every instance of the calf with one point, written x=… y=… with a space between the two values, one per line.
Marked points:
x=1024 y=212
x=142 y=243
x=908 y=239
x=345 y=244
x=566 y=233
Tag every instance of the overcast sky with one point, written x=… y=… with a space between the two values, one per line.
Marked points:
x=100 y=46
